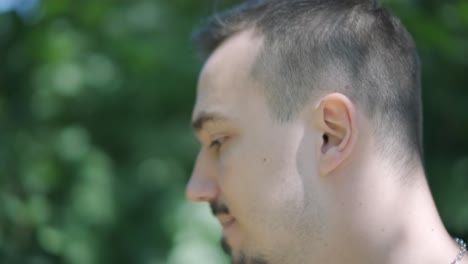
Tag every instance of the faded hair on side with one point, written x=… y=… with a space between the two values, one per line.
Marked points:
x=314 y=47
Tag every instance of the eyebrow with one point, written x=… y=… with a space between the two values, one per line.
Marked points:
x=205 y=117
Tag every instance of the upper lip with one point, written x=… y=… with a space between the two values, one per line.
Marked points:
x=225 y=219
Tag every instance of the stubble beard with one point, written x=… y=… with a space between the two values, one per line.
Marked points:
x=242 y=259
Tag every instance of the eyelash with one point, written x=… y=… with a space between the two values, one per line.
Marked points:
x=217 y=143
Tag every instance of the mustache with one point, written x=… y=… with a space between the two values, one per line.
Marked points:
x=218 y=208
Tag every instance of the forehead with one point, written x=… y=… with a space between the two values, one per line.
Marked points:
x=225 y=80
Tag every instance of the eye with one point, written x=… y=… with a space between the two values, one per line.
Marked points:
x=218 y=142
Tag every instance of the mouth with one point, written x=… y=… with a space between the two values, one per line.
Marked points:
x=226 y=221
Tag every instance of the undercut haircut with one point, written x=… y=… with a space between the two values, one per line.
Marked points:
x=314 y=47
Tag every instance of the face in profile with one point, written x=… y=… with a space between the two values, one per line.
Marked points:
x=252 y=169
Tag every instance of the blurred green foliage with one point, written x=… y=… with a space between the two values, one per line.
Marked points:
x=95 y=142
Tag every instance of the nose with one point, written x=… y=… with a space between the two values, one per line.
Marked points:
x=202 y=186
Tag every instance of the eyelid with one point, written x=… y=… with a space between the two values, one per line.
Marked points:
x=218 y=140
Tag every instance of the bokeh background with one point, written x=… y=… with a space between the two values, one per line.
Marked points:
x=95 y=141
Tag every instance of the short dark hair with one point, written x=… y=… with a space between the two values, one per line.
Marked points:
x=355 y=44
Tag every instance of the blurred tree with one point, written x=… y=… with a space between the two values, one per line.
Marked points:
x=95 y=142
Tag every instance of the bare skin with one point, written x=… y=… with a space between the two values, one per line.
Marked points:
x=313 y=190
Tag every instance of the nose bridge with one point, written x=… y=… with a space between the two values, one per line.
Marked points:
x=202 y=186
x=199 y=167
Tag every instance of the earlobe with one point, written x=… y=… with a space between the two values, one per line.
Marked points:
x=335 y=118
x=329 y=161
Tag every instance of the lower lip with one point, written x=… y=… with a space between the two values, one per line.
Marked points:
x=228 y=226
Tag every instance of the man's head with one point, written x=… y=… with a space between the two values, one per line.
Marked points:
x=298 y=103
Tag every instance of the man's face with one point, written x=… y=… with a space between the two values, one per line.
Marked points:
x=253 y=170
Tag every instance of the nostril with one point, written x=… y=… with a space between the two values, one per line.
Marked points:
x=201 y=191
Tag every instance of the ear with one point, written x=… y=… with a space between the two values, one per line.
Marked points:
x=335 y=118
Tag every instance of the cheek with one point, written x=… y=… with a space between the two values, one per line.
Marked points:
x=239 y=171
x=261 y=184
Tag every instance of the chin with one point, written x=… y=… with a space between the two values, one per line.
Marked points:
x=240 y=257
x=248 y=260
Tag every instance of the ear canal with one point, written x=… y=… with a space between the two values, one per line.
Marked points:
x=326 y=143
x=325 y=139
x=329 y=142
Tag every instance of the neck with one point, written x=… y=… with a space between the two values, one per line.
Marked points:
x=385 y=221
x=423 y=237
